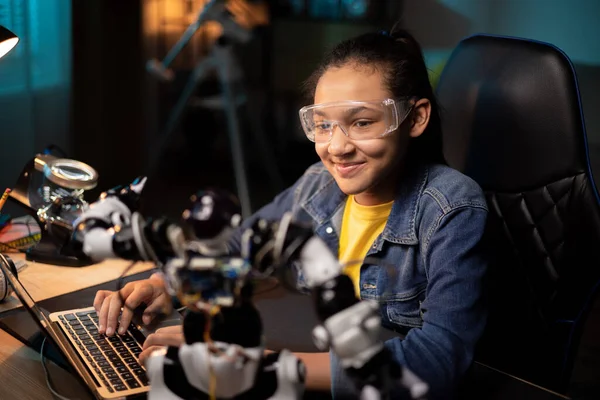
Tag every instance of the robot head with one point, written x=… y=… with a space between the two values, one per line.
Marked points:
x=212 y=212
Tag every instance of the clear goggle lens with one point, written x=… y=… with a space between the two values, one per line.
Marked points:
x=358 y=120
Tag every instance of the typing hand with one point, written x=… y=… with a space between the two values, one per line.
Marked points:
x=151 y=292
x=170 y=336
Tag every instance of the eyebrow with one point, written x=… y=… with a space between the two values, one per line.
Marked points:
x=348 y=113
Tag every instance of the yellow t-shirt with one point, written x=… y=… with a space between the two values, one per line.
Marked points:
x=361 y=225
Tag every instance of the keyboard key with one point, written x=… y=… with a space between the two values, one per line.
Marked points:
x=132 y=383
x=126 y=376
x=82 y=313
x=139 y=372
x=114 y=359
x=122 y=370
x=120 y=388
x=143 y=379
x=108 y=370
x=105 y=348
x=99 y=358
x=116 y=381
x=130 y=360
x=70 y=317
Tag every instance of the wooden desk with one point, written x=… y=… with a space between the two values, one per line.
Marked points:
x=44 y=281
x=22 y=375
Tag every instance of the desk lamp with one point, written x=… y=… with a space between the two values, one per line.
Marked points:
x=8 y=40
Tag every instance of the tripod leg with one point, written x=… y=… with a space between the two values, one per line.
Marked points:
x=177 y=112
x=237 y=153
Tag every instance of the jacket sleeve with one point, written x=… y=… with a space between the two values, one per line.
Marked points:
x=453 y=312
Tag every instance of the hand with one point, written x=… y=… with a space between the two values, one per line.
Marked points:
x=170 y=336
x=108 y=304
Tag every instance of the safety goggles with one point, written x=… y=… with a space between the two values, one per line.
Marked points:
x=358 y=120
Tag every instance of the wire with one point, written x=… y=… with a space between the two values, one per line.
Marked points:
x=48 y=383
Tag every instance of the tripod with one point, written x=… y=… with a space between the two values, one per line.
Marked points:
x=223 y=61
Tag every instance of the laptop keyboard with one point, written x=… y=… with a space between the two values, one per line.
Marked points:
x=114 y=358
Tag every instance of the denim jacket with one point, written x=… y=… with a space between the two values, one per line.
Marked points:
x=433 y=292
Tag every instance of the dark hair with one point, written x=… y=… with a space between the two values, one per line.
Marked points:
x=400 y=56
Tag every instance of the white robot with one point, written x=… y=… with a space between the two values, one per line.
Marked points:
x=224 y=355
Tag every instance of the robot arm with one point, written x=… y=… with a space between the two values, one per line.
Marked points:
x=350 y=328
x=112 y=227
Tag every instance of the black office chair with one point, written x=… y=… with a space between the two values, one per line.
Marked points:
x=513 y=121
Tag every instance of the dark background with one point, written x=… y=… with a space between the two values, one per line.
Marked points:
x=78 y=80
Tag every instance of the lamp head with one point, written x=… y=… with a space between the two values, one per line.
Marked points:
x=8 y=40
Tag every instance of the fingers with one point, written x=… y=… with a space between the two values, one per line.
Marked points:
x=171 y=329
x=147 y=352
x=103 y=313
x=99 y=299
x=161 y=305
x=134 y=296
x=108 y=304
x=113 y=312
x=170 y=336
x=164 y=338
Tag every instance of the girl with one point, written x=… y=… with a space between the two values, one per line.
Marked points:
x=382 y=191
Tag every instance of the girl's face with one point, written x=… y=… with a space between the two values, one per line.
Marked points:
x=369 y=168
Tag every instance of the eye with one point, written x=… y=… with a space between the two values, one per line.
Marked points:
x=323 y=126
x=363 y=123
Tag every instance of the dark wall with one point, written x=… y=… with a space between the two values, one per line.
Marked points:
x=108 y=75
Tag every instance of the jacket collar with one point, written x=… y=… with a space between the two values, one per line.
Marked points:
x=325 y=203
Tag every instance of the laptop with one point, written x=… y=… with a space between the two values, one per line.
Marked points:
x=108 y=366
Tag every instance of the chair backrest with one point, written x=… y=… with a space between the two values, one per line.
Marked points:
x=512 y=120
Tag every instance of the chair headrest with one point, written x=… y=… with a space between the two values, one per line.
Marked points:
x=512 y=106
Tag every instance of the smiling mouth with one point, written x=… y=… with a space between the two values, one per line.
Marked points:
x=346 y=170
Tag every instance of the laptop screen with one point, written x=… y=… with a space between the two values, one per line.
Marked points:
x=40 y=317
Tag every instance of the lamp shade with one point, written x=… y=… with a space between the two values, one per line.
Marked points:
x=8 y=40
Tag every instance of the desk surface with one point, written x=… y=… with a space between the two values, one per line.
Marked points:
x=22 y=375
x=44 y=281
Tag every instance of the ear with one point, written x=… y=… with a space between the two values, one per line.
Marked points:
x=420 y=117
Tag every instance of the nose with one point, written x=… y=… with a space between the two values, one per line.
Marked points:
x=339 y=144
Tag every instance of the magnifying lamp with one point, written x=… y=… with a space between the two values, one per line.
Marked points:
x=67 y=173
x=8 y=40
x=51 y=189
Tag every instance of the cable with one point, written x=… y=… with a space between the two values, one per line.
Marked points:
x=48 y=383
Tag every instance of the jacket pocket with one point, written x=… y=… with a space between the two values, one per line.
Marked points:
x=404 y=308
